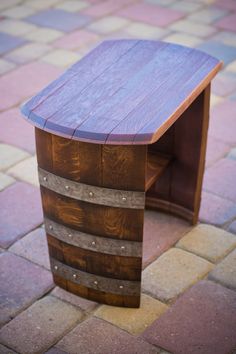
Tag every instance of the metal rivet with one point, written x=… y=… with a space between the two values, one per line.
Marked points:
x=50 y=227
x=121 y=287
x=67 y=187
x=70 y=235
x=45 y=179
x=91 y=194
x=124 y=199
x=95 y=282
x=74 y=276
x=122 y=247
x=55 y=267
x=93 y=243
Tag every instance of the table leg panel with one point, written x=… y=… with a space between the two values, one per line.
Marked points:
x=108 y=278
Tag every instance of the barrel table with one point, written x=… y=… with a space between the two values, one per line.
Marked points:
x=123 y=129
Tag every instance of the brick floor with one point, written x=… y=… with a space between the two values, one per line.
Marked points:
x=9 y=42
x=172 y=273
x=39 y=73
x=221 y=51
x=208 y=242
x=28 y=52
x=180 y=313
x=213 y=176
x=227 y=23
x=224 y=84
x=161 y=231
x=10 y=155
x=21 y=213
x=216 y=149
x=97 y=336
x=133 y=321
x=46 y=321
x=5 y=350
x=202 y=321
x=16 y=131
x=33 y=247
x=76 y=39
x=21 y=282
x=232 y=227
x=222 y=122
x=153 y=15
x=5 y=181
x=84 y=304
x=224 y=272
x=216 y=210
x=26 y=171
x=59 y=20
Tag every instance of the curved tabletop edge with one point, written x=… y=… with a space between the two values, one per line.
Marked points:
x=147 y=137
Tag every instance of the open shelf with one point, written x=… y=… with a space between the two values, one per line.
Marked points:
x=156 y=165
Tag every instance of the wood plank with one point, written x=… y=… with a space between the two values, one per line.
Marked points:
x=92 y=242
x=68 y=158
x=111 y=266
x=178 y=191
x=47 y=103
x=156 y=165
x=44 y=149
x=190 y=90
x=122 y=103
x=96 y=94
x=101 y=220
x=157 y=108
x=121 y=98
x=123 y=167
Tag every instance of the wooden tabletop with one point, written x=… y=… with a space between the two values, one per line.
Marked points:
x=123 y=92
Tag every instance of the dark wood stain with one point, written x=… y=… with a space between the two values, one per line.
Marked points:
x=131 y=115
x=123 y=92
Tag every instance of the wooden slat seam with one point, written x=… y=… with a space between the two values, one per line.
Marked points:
x=191 y=94
x=135 y=74
x=145 y=99
x=135 y=43
x=180 y=109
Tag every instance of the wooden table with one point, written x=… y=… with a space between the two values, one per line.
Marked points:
x=123 y=129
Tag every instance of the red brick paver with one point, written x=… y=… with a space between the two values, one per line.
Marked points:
x=153 y=15
x=16 y=131
x=97 y=336
x=22 y=212
x=41 y=38
x=224 y=169
x=202 y=321
x=21 y=283
x=216 y=210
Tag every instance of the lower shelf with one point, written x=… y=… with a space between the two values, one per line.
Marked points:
x=156 y=165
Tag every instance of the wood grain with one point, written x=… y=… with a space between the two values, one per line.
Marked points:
x=101 y=220
x=178 y=190
x=156 y=165
x=123 y=92
x=117 y=267
x=91 y=194
x=74 y=81
x=92 y=242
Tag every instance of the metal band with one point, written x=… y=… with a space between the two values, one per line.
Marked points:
x=92 y=242
x=91 y=194
x=97 y=282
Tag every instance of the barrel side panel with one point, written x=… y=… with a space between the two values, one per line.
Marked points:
x=101 y=276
